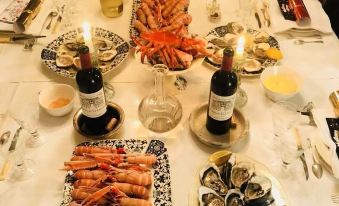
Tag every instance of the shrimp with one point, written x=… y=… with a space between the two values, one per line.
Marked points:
x=141 y=16
x=150 y=18
x=140 y=27
x=89 y=174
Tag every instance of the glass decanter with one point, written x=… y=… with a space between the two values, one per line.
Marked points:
x=160 y=112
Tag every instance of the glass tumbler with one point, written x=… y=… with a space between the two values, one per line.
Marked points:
x=160 y=112
x=112 y=8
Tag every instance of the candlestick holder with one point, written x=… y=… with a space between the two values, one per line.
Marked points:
x=241 y=96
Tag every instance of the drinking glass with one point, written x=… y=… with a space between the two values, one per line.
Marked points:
x=245 y=9
x=27 y=116
x=160 y=112
x=241 y=95
x=213 y=9
x=112 y=8
x=7 y=91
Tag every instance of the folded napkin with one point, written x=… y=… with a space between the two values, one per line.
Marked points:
x=320 y=116
x=319 y=20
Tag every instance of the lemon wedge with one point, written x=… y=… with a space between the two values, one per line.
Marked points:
x=274 y=53
x=220 y=157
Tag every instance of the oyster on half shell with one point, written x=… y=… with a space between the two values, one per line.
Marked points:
x=208 y=197
x=258 y=191
x=261 y=37
x=241 y=173
x=107 y=55
x=102 y=44
x=226 y=170
x=236 y=28
x=252 y=65
x=234 y=198
x=210 y=177
x=259 y=50
x=64 y=61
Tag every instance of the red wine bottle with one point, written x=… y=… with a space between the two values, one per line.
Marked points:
x=92 y=97
x=222 y=96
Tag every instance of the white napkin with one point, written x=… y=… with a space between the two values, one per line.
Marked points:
x=320 y=116
x=319 y=19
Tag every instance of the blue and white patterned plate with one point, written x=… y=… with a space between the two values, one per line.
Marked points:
x=49 y=53
x=161 y=170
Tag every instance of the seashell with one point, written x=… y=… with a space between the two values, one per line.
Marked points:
x=219 y=42
x=236 y=28
x=63 y=50
x=64 y=61
x=260 y=49
x=72 y=45
x=102 y=44
x=258 y=191
x=241 y=173
x=252 y=65
x=226 y=171
x=261 y=37
x=217 y=56
x=234 y=198
x=107 y=55
x=210 y=177
x=208 y=197
x=77 y=63
x=231 y=39
x=80 y=39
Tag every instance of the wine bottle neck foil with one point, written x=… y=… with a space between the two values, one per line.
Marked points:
x=85 y=61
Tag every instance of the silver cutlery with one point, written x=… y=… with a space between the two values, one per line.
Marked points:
x=267 y=18
x=258 y=19
x=15 y=140
x=51 y=15
x=4 y=137
x=302 y=156
x=59 y=19
x=292 y=36
x=301 y=42
x=317 y=169
x=335 y=198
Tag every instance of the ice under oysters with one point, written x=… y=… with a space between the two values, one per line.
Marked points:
x=68 y=56
x=243 y=187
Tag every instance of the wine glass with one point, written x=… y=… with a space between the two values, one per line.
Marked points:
x=27 y=116
x=7 y=91
x=160 y=112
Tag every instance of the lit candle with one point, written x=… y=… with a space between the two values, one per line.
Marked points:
x=87 y=36
x=240 y=47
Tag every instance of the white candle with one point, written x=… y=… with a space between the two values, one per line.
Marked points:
x=240 y=47
x=87 y=36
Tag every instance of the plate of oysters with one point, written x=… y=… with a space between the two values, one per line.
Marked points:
x=232 y=179
x=62 y=57
x=261 y=49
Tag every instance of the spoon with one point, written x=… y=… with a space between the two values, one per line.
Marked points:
x=300 y=42
x=51 y=15
x=317 y=169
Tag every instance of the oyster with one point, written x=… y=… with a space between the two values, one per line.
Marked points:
x=219 y=42
x=102 y=44
x=234 y=198
x=260 y=49
x=252 y=65
x=231 y=39
x=72 y=45
x=258 y=191
x=236 y=28
x=107 y=55
x=64 y=61
x=261 y=37
x=210 y=177
x=226 y=171
x=241 y=173
x=63 y=50
x=217 y=56
x=208 y=197
x=77 y=63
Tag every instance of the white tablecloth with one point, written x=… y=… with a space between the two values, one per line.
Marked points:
x=318 y=63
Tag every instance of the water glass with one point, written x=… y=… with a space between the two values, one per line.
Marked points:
x=112 y=8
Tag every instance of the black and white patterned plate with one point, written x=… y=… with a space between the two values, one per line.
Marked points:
x=161 y=170
x=133 y=32
x=221 y=31
x=49 y=53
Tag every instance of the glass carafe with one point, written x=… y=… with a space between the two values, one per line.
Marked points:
x=160 y=112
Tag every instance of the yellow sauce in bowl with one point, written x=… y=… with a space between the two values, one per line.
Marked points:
x=59 y=102
x=281 y=83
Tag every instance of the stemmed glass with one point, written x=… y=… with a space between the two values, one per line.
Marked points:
x=7 y=91
x=160 y=112
x=238 y=66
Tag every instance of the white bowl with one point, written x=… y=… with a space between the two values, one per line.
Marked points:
x=277 y=70
x=54 y=92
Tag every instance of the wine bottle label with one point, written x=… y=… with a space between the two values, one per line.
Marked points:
x=93 y=105
x=221 y=107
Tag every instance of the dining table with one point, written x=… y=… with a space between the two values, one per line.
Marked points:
x=318 y=64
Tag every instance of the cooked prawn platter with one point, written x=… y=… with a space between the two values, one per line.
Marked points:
x=233 y=179
x=262 y=50
x=119 y=173
x=159 y=31
x=62 y=56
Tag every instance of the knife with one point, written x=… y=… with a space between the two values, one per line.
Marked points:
x=58 y=21
x=300 y=148
x=15 y=139
x=13 y=38
x=258 y=19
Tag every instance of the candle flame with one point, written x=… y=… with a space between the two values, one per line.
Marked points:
x=86 y=31
x=240 y=46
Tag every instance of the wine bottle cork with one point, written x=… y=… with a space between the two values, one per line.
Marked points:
x=111 y=124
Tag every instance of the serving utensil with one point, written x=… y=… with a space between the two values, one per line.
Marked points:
x=300 y=148
x=317 y=169
x=51 y=15
x=301 y=42
x=58 y=21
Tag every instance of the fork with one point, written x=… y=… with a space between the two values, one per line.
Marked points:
x=335 y=198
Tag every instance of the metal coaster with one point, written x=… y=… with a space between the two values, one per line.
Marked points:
x=198 y=127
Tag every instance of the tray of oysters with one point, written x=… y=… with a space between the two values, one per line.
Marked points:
x=62 y=56
x=233 y=179
x=258 y=47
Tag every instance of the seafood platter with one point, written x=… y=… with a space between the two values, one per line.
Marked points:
x=236 y=180
x=261 y=48
x=62 y=57
x=159 y=30
x=118 y=172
